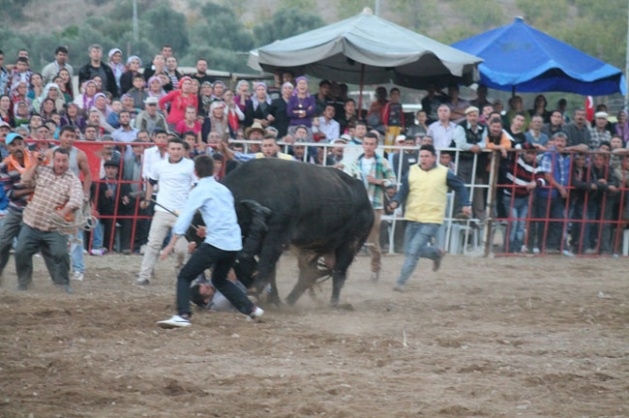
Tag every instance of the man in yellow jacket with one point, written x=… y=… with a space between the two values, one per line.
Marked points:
x=424 y=190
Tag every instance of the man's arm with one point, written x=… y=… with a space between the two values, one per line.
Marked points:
x=458 y=186
x=148 y=195
x=87 y=174
x=29 y=176
x=401 y=195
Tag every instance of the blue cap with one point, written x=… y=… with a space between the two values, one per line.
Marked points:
x=12 y=137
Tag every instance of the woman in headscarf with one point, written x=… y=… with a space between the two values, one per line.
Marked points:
x=216 y=121
x=85 y=100
x=155 y=88
x=47 y=109
x=19 y=93
x=242 y=94
x=51 y=91
x=258 y=109
x=179 y=100
x=234 y=115
x=73 y=117
x=301 y=105
x=134 y=64
x=115 y=62
x=205 y=98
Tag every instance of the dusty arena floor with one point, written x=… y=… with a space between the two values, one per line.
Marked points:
x=530 y=337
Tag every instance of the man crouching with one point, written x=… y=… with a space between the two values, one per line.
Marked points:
x=219 y=249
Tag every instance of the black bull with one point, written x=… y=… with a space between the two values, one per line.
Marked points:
x=321 y=211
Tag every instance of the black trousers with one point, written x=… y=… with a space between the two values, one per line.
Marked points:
x=203 y=258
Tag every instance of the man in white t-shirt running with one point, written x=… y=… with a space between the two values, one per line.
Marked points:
x=175 y=177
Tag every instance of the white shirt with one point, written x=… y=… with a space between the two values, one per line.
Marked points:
x=330 y=129
x=151 y=157
x=216 y=204
x=120 y=135
x=175 y=181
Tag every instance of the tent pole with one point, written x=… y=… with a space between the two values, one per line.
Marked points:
x=362 y=83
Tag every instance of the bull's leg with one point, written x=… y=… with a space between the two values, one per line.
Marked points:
x=308 y=274
x=273 y=297
x=269 y=254
x=344 y=258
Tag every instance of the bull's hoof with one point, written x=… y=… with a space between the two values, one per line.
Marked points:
x=343 y=306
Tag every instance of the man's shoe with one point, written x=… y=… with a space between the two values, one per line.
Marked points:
x=256 y=314
x=536 y=250
x=142 y=282
x=436 y=263
x=375 y=276
x=126 y=252
x=175 y=321
x=97 y=251
x=67 y=288
x=398 y=288
x=22 y=288
x=78 y=276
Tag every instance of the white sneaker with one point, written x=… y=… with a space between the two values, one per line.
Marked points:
x=256 y=314
x=536 y=250
x=175 y=321
x=375 y=276
x=97 y=251
x=78 y=276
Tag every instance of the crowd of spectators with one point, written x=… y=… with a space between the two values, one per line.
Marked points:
x=552 y=166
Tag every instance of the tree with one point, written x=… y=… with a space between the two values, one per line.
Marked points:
x=284 y=24
x=168 y=27
x=220 y=28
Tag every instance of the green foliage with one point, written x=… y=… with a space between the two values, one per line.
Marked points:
x=417 y=16
x=12 y=9
x=538 y=12
x=479 y=13
x=168 y=27
x=284 y=24
x=221 y=28
x=349 y=8
x=304 y=5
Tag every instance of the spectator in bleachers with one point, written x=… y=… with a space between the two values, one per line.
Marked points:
x=456 y=104
x=21 y=74
x=132 y=70
x=516 y=105
x=605 y=199
x=258 y=109
x=444 y=132
x=155 y=88
x=150 y=119
x=419 y=127
x=535 y=136
x=189 y=123
x=60 y=62
x=278 y=110
x=172 y=71
x=137 y=92
x=599 y=132
x=555 y=125
x=85 y=100
x=578 y=132
x=480 y=101
x=323 y=98
x=519 y=181
x=301 y=105
x=201 y=72
x=349 y=116
x=431 y=102
x=393 y=117
x=621 y=127
x=539 y=108
x=95 y=67
x=550 y=202
x=6 y=114
x=325 y=127
x=179 y=100
x=36 y=88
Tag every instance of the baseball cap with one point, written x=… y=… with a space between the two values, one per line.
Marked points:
x=151 y=100
x=3 y=124
x=12 y=137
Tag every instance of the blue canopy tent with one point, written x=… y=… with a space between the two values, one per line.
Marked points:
x=520 y=57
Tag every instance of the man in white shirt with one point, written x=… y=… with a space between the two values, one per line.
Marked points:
x=175 y=177
x=51 y=70
x=443 y=132
x=325 y=125
x=156 y=153
x=126 y=133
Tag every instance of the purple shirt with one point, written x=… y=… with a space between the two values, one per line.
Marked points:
x=295 y=104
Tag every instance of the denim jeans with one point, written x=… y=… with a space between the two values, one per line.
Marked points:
x=550 y=229
x=416 y=239
x=76 y=251
x=97 y=237
x=203 y=258
x=518 y=208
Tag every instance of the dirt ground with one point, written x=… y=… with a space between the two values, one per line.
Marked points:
x=504 y=337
